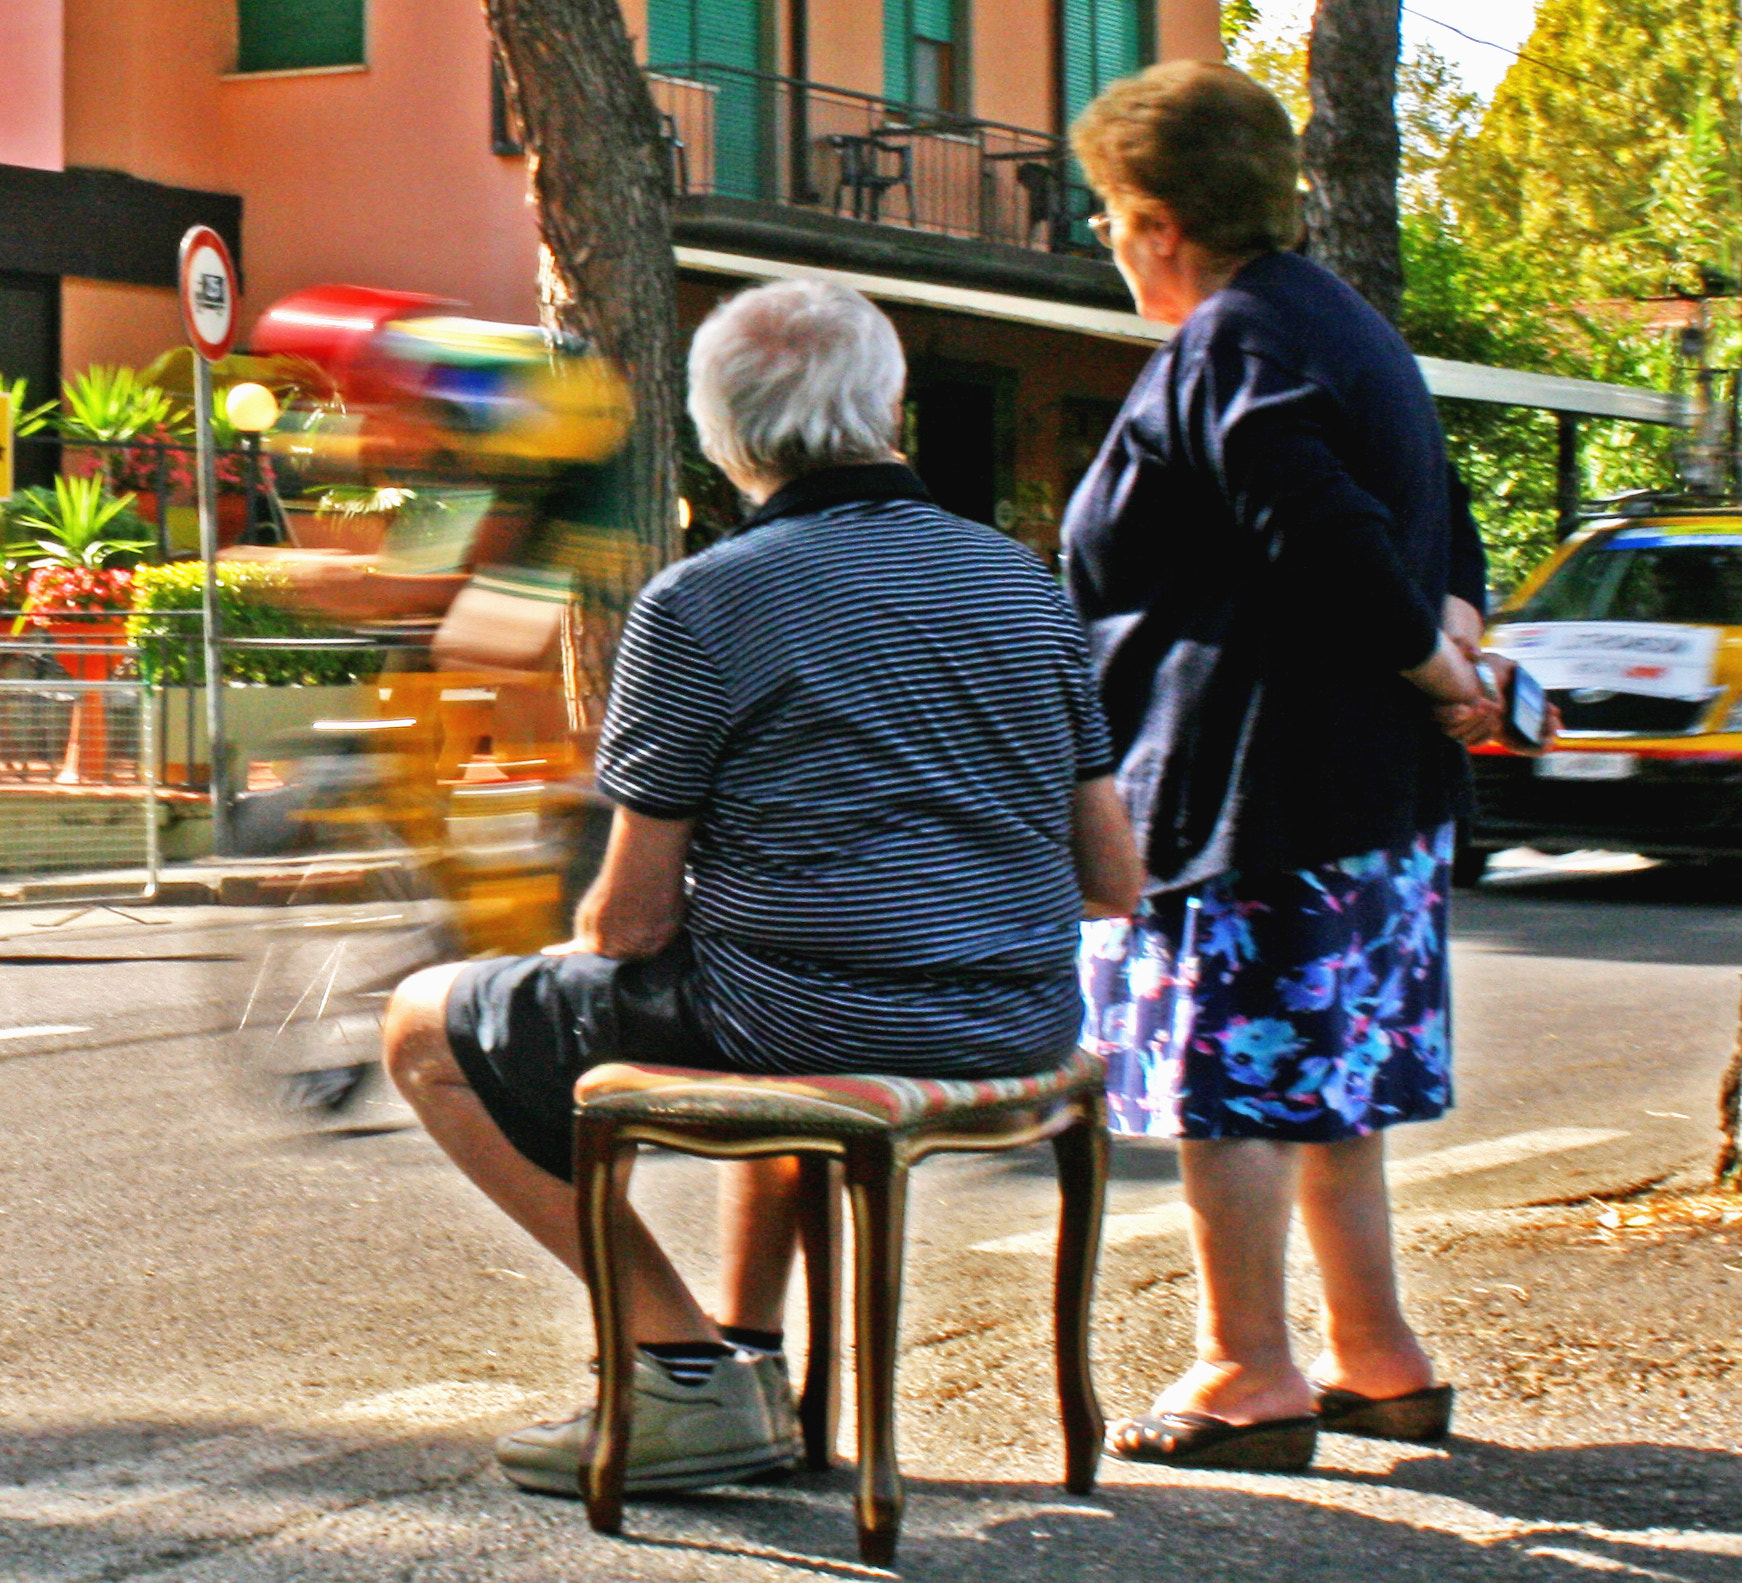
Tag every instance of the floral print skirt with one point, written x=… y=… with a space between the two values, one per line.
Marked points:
x=1306 y=1006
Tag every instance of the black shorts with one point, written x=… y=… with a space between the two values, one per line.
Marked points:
x=524 y=1028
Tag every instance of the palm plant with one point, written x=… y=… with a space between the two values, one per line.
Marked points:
x=105 y=403
x=26 y=419
x=78 y=523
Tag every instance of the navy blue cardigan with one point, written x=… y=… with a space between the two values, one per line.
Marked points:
x=1263 y=543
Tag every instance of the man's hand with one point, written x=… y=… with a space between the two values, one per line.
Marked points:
x=635 y=907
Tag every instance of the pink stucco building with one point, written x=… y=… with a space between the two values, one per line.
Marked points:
x=910 y=144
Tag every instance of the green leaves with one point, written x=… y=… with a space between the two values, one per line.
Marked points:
x=26 y=419
x=253 y=600
x=84 y=524
x=105 y=403
x=1609 y=158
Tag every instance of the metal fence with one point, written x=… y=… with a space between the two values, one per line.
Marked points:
x=746 y=134
x=78 y=768
x=159 y=475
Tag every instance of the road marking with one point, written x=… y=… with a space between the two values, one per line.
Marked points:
x=1463 y=1160
x=1515 y=1147
x=433 y=1405
x=43 y=1030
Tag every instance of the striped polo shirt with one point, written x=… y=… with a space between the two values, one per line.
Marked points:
x=876 y=713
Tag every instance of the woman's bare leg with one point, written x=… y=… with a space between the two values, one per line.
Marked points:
x=1369 y=1346
x=1240 y=1192
x=422 y=1064
x=758 y=1238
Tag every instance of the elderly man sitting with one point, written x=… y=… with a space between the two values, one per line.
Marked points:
x=862 y=793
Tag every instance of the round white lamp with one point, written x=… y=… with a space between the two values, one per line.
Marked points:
x=252 y=408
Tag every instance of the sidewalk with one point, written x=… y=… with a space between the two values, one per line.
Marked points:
x=232 y=883
x=1598 y=1352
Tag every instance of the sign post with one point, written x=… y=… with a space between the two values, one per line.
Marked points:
x=208 y=308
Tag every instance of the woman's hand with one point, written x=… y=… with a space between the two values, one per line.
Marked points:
x=1463 y=708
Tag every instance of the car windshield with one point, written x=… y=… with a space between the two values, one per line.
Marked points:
x=1644 y=574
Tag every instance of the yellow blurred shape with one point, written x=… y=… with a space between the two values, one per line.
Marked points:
x=251 y=407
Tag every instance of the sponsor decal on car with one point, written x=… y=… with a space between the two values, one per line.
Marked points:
x=1652 y=659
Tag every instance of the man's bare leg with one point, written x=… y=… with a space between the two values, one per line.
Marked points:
x=758 y=1238
x=422 y=1065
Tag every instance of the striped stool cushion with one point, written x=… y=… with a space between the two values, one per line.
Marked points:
x=853 y=1102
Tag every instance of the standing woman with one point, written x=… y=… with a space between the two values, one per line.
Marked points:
x=1281 y=584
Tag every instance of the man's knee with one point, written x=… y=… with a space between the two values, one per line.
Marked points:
x=415 y=1049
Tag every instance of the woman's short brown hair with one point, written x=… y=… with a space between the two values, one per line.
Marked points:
x=1205 y=140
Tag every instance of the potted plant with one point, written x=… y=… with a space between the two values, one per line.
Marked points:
x=351 y=517
x=78 y=592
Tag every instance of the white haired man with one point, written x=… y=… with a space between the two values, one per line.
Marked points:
x=863 y=792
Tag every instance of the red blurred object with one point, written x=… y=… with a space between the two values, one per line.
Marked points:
x=333 y=327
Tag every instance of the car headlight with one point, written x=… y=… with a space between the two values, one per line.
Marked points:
x=1733 y=720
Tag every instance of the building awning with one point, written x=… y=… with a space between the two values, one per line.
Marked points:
x=1460 y=381
x=105 y=225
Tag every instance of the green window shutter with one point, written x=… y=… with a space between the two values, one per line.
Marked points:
x=671 y=32
x=721 y=33
x=1101 y=41
x=898 y=50
x=935 y=19
x=291 y=35
x=729 y=32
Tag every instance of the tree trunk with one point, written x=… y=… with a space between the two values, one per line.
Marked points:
x=600 y=174
x=1350 y=147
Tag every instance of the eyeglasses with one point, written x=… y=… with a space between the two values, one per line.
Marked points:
x=1102 y=226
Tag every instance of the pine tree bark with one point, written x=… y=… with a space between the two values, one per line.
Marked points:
x=600 y=174
x=1350 y=147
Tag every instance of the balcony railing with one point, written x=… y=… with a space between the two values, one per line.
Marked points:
x=744 y=134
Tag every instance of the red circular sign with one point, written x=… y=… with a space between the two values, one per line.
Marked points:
x=208 y=293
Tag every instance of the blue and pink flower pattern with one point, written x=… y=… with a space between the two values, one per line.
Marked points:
x=1307 y=1006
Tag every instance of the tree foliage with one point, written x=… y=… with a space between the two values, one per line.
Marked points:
x=1605 y=170
x=1608 y=160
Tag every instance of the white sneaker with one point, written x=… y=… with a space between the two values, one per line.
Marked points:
x=681 y=1437
x=776 y=1385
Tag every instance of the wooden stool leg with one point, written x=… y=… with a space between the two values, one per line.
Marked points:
x=819 y=1409
x=599 y=1159
x=1081 y=1151
x=877 y=1187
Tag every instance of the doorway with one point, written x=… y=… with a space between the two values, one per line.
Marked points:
x=30 y=349
x=960 y=436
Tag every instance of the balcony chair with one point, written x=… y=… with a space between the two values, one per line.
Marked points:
x=861 y=172
x=867 y=1130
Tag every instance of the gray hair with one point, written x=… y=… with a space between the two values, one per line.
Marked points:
x=795 y=376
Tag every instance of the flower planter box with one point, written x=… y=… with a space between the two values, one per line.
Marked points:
x=254 y=718
x=181 y=523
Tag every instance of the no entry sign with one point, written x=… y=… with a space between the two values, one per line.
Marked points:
x=208 y=292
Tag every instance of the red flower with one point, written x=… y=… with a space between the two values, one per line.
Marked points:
x=61 y=590
x=136 y=467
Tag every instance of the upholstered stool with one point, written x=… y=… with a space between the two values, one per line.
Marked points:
x=868 y=1130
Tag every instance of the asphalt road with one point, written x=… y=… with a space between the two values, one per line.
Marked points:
x=236 y=1350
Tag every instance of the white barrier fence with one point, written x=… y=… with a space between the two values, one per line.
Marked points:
x=78 y=774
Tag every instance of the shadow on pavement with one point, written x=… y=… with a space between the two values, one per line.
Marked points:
x=1465 y=1524
x=242 y=1503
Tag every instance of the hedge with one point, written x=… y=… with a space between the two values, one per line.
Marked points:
x=164 y=625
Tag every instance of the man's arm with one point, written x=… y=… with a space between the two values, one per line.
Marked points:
x=635 y=907
x=1109 y=871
